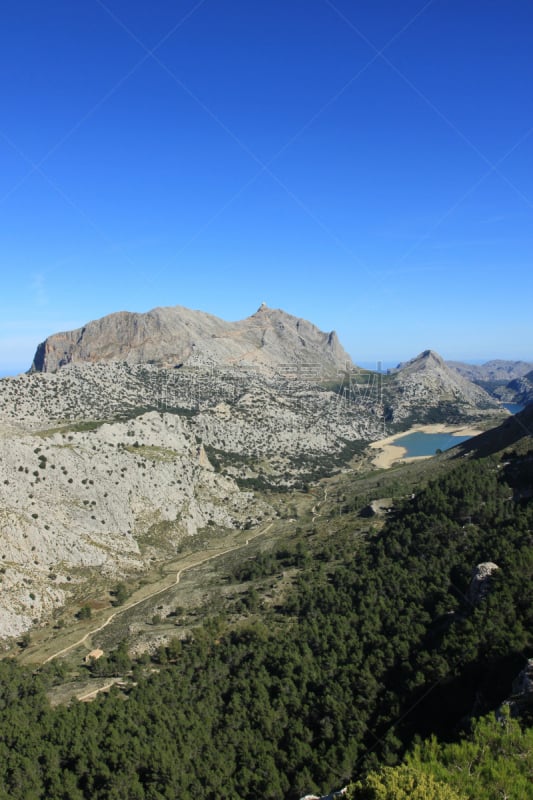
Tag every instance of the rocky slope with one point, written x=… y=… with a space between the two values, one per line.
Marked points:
x=427 y=386
x=76 y=504
x=105 y=467
x=236 y=411
x=269 y=339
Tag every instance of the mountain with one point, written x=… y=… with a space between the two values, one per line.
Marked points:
x=495 y=370
x=428 y=387
x=171 y=521
x=270 y=339
x=507 y=381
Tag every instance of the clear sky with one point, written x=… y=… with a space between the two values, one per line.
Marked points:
x=365 y=164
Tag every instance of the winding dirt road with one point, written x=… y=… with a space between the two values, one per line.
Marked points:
x=127 y=607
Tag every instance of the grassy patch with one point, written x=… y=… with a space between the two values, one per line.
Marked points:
x=161 y=535
x=152 y=452
x=84 y=426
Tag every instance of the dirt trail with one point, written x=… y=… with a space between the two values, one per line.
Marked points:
x=122 y=609
x=94 y=692
x=317 y=505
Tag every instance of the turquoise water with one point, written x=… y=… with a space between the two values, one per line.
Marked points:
x=514 y=408
x=426 y=444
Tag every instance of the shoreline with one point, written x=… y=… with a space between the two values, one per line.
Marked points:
x=389 y=453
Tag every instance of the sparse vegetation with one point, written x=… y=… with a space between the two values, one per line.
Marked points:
x=85 y=612
x=120 y=594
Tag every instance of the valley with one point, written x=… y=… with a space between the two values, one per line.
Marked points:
x=235 y=553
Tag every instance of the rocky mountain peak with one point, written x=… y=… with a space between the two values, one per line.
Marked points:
x=428 y=359
x=269 y=340
x=427 y=380
x=432 y=356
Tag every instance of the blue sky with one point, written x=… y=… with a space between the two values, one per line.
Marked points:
x=366 y=165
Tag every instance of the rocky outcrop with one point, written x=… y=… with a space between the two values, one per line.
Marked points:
x=270 y=339
x=480 y=583
x=332 y=796
x=377 y=508
x=521 y=700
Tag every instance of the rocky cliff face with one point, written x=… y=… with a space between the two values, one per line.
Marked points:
x=521 y=701
x=269 y=340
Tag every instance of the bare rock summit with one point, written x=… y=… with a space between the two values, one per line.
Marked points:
x=270 y=339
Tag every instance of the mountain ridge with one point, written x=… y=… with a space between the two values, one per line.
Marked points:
x=497 y=369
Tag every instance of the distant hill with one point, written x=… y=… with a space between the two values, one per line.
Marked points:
x=507 y=381
x=495 y=370
x=270 y=339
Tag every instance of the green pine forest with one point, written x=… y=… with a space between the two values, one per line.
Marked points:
x=376 y=671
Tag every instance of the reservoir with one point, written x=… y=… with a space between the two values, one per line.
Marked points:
x=426 y=444
x=514 y=408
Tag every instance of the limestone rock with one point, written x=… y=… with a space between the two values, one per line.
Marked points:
x=377 y=508
x=480 y=583
x=106 y=466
